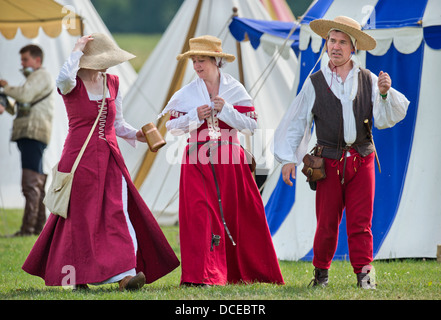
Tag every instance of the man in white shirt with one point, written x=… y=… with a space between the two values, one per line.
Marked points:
x=339 y=98
x=32 y=131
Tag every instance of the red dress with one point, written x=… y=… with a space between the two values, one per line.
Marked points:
x=252 y=258
x=94 y=238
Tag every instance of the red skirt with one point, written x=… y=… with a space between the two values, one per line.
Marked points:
x=253 y=257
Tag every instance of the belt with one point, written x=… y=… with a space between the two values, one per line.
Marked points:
x=318 y=150
x=215 y=143
x=23 y=109
x=212 y=144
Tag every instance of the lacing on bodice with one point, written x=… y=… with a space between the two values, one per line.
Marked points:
x=213 y=126
x=102 y=121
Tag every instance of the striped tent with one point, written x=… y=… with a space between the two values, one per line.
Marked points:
x=407 y=210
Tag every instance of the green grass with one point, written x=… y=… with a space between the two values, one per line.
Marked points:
x=409 y=279
x=141 y=45
x=397 y=280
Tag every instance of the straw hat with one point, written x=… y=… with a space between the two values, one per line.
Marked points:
x=102 y=53
x=206 y=46
x=346 y=25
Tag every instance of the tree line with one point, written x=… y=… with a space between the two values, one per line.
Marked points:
x=153 y=16
x=137 y=16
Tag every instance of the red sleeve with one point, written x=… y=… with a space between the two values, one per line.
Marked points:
x=248 y=111
x=175 y=114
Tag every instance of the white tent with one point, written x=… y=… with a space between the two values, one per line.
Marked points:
x=407 y=210
x=148 y=95
x=56 y=51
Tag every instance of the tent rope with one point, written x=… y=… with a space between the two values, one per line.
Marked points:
x=272 y=62
x=145 y=98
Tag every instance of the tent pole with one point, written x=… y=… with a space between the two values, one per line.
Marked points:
x=241 y=77
x=239 y=54
x=175 y=85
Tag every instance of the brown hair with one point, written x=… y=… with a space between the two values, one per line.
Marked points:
x=34 y=50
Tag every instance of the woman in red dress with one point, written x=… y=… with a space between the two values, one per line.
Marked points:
x=109 y=234
x=224 y=236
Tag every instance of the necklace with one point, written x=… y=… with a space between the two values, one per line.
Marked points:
x=212 y=88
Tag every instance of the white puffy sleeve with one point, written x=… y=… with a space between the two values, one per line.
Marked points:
x=182 y=123
x=66 y=79
x=387 y=112
x=122 y=128
x=238 y=120
x=294 y=131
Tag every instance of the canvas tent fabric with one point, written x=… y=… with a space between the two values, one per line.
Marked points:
x=56 y=51
x=148 y=96
x=271 y=34
x=278 y=10
x=30 y=15
x=407 y=214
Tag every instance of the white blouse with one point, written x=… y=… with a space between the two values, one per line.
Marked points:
x=183 y=106
x=66 y=82
x=294 y=132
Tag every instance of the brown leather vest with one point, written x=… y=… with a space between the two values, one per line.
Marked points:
x=328 y=116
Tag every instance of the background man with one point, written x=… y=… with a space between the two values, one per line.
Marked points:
x=32 y=130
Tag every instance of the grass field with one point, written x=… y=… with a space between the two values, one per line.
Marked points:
x=397 y=280
x=141 y=45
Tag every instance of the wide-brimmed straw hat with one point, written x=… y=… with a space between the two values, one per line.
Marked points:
x=206 y=46
x=346 y=25
x=103 y=53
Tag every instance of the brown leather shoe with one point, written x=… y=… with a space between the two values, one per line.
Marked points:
x=81 y=287
x=320 y=278
x=364 y=281
x=132 y=283
x=199 y=285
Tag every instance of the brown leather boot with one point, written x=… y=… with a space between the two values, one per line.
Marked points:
x=132 y=283
x=41 y=217
x=320 y=278
x=364 y=281
x=30 y=183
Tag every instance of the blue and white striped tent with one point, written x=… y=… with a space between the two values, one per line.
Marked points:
x=407 y=208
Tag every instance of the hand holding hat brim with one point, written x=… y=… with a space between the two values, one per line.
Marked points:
x=101 y=52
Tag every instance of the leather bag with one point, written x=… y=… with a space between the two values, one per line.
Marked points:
x=313 y=168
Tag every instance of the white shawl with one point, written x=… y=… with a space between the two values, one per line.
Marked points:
x=195 y=94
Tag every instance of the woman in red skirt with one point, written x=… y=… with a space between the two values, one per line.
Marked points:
x=224 y=236
x=109 y=234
